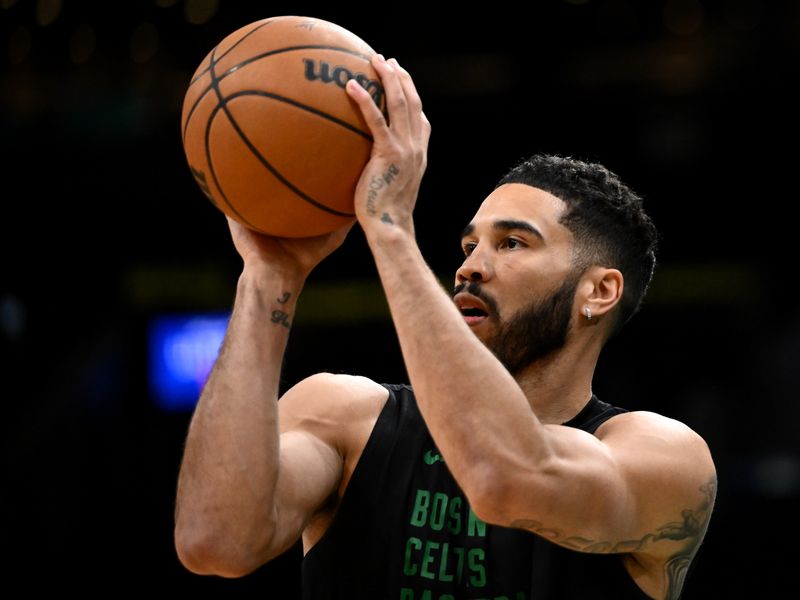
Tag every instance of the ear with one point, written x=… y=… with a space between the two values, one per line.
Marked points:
x=600 y=291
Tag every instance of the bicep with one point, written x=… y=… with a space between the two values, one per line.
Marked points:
x=645 y=481
x=309 y=473
x=319 y=421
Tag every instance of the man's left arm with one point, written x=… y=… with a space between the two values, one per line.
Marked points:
x=586 y=492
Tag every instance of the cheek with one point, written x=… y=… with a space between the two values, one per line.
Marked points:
x=521 y=283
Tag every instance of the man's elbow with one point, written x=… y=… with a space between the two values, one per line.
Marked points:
x=498 y=498
x=203 y=553
x=487 y=492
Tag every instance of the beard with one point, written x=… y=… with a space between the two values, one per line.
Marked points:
x=535 y=331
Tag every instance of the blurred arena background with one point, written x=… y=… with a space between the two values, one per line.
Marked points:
x=105 y=233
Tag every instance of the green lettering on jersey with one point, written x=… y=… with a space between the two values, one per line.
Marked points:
x=475 y=559
x=410 y=567
x=443 y=574
x=427 y=559
x=454 y=524
x=459 y=552
x=475 y=526
x=420 y=513
x=438 y=511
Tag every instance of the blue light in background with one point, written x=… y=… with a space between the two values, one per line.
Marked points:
x=181 y=351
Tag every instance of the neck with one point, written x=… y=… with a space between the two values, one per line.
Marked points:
x=559 y=385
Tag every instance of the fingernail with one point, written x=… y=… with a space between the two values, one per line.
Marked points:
x=355 y=84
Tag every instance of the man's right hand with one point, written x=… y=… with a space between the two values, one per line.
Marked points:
x=293 y=256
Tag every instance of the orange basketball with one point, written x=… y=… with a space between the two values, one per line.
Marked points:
x=270 y=135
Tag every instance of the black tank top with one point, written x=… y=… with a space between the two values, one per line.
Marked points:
x=404 y=530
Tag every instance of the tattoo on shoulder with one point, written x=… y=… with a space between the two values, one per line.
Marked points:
x=691 y=527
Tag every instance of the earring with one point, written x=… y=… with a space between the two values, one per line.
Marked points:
x=588 y=312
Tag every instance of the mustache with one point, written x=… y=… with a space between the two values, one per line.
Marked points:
x=473 y=288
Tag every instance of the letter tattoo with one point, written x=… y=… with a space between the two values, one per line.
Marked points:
x=281 y=318
x=376 y=184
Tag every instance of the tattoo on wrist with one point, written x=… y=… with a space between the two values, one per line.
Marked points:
x=376 y=184
x=281 y=318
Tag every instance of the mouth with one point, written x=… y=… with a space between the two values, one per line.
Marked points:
x=471 y=308
x=474 y=316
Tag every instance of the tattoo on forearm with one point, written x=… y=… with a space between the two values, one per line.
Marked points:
x=386 y=218
x=376 y=184
x=281 y=318
x=690 y=528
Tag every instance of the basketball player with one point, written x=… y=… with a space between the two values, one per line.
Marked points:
x=497 y=473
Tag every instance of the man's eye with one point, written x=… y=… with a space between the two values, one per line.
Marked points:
x=511 y=243
x=468 y=248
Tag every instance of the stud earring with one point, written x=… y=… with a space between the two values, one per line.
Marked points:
x=588 y=312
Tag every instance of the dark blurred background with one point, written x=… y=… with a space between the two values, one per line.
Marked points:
x=692 y=102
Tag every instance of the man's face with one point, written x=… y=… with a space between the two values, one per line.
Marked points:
x=517 y=284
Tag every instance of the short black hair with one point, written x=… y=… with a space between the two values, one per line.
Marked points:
x=606 y=217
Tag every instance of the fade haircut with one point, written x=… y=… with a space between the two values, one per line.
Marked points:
x=606 y=218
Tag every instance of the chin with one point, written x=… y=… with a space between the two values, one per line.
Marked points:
x=483 y=333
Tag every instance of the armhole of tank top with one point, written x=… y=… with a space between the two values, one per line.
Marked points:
x=609 y=413
x=593 y=415
x=365 y=462
x=387 y=421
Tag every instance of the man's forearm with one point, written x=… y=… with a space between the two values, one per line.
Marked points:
x=476 y=412
x=230 y=465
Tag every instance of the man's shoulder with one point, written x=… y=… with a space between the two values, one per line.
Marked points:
x=340 y=383
x=642 y=422
x=332 y=399
x=661 y=451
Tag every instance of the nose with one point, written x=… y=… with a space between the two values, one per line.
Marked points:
x=475 y=268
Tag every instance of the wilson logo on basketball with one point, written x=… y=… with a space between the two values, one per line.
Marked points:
x=327 y=73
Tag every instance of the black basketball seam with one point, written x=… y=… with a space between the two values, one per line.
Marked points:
x=292 y=49
x=215 y=84
x=271 y=52
x=214 y=173
x=277 y=173
x=223 y=105
x=302 y=106
x=254 y=58
x=239 y=41
x=204 y=71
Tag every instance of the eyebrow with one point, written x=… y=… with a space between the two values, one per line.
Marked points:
x=506 y=225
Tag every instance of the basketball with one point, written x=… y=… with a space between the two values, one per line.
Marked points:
x=270 y=135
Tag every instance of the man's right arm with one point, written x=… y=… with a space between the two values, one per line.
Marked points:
x=238 y=501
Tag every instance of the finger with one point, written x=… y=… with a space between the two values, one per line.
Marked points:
x=369 y=110
x=426 y=130
x=414 y=102
x=396 y=102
